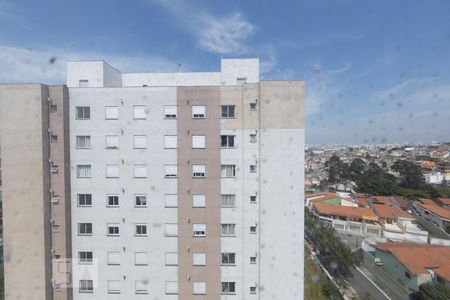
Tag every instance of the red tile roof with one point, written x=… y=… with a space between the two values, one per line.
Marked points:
x=362 y=200
x=382 y=199
x=437 y=210
x=417 y=258
x=444 y=272
x=389 y=212
x=363 y=213
x=401 y=201
x=445 y=201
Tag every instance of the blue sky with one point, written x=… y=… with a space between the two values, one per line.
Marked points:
x=376 y=71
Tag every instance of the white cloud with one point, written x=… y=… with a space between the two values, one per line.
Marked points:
x=218 y=34
x=34 y=65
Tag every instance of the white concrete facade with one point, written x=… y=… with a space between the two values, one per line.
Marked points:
x=277 y=183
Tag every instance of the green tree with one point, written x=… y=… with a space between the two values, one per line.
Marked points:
x=338 y=171
x=357 y=168
x=410 y=174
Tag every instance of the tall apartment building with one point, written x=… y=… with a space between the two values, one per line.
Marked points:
x=182 y=185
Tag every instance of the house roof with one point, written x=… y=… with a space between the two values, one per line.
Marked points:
x=382 y=200
x=363 y=213
x=437 y=210
x=446 y=201
x=390 y=212
x=362 y=200
x=444 y=272
x=417 y=258
x=402 y=202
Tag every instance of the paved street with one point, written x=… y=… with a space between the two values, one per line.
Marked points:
x=430 y=227
x=363 y=286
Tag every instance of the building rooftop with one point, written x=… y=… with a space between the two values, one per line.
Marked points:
x=363 y=213
x=390 y=211
x=418 y=258
x=445 y=201
x=437 y=210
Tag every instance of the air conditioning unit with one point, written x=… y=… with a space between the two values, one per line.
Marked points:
x=55 y=199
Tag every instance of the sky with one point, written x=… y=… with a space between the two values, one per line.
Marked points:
x=375 y=71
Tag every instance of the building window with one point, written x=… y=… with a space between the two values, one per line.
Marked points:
x=140 y=171
x=253 y=229
x=227 y=141
x=141 y=230
x=228 y=200
x=227 y=111
x=228 y=229
x=83 y=171
x=199 y=230
x=170 y=171
x=170 y=111
x=171 y=287
x=84 y=199
x=253 y=168
x=198 y=111
x=112 y=171
x=252 y=137
x=198 y=201
x=141 y=287
x=83 y=141
x=198 y=171
x=113 y=286
x=198 y=142
x=85 y=257
x=253 y=106
x=54 y=138
x=228 y=259
x=241 y=80
x=171 y=258
x=84 y=228
x=112 y=142
x=253 y=199
x=111 y=113
x=86 y=286
x=83 y=83
x=199 y=259
x=228 y=170
x=113 y=229
x=140 y=200
x=113 y=258
x=113 y=200
x=199 y=288
x=253 y=290
x=170 y=200
x=171 y=229
x=170 y=141
x=253 y=260
x=407 y=275
x=140 y=142
x=228 y=287
x=140 y=259
x=53 y=108
x=139 y=112
x=83 y=112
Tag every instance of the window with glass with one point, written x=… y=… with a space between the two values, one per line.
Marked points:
x=84 y=199
x=227 y=111
x=228 y=170
x=140 y=200
x=228 y=200
x=83 y=141
x=227 y=141
x=113 y=200
x=83 y=112
x=228 y=259
x=228 y=229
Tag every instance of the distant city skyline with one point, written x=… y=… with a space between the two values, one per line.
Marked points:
x=377 y=72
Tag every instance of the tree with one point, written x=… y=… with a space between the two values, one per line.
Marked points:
x=357 y=168
x=410 y=174
x=338 y=171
